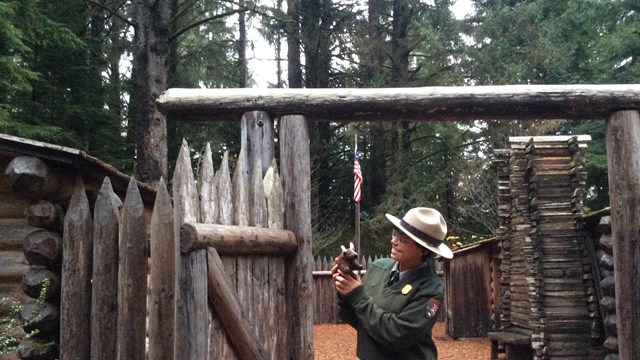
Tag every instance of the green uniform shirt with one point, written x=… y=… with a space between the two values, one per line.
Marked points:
x=394 y=322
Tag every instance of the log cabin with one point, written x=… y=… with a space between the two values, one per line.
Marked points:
x=36 y=184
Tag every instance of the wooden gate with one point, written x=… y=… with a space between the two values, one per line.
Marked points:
x=223 y=279
x=234 y=248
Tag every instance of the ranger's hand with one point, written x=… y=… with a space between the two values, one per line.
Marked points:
x=345 y=283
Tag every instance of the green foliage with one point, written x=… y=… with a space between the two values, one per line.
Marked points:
x=597 y=196
x=11 y=333
x=9 y=325
x=64 y=81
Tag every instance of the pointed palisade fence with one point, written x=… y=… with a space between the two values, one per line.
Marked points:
x=206 y=277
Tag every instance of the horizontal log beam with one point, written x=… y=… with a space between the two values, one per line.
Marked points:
x=237 y=240
x=409 y=104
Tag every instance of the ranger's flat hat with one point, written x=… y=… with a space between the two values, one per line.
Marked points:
x=425 y=226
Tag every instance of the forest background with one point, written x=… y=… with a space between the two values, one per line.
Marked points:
x=85 y=74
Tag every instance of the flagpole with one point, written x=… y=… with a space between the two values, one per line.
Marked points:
x=357 y=210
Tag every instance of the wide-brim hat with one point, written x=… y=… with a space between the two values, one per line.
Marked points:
x=426 y=227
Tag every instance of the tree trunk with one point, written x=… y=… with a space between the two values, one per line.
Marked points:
x=293 y=44
x=374 y=53
x=151 y=49
x=402 y=14
x=242 y=48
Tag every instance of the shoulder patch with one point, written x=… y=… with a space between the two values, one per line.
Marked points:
x=432 y=307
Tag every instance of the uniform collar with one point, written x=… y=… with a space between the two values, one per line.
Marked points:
x=405 y=273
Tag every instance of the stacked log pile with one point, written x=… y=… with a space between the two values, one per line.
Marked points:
x=501 y=308
x=41 y=243
x=562 y=280
x=515 y=289
x=546 y=283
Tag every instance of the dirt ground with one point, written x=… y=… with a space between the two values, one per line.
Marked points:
x=328 y=337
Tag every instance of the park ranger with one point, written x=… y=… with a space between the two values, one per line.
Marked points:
x=395 y=305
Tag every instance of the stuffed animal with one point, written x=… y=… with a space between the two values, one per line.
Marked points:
x=347 y=261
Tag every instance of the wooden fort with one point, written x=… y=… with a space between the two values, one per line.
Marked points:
x=224 y=270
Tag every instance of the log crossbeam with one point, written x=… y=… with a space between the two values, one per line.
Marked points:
x=581 y=101
x=237 y=240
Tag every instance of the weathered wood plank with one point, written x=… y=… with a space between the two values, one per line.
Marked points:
x=240 y=183
x=75 y=299
x=104 y=309
x=207 y=189
x=275 y=210
x=209 y=214
x=132 y=277
x=623 y=152
x=191 y=309
x=424 y=103
x=221 y=343
x=162 y=278
x=225 y=191
x=258 y=210
x=242 y=217
x=237 y=240
x=274 y=196
x=296 y=174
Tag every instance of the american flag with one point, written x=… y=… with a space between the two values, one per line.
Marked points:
x=357 y=179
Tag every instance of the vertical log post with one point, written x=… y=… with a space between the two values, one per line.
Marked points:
x=162 y=278
x=209 y=214
x=241 y=207
x=75 y=301
x=219 y=339
x=132 y=277
x=623 y=156
x=260 y=264
x=225 y=195
x=296 y=175
x=273 y=193
x=191 y=309
x=104 y=309
x=207 y=189
x=275 y=210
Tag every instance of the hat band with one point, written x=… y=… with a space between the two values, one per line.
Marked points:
x=430 y=240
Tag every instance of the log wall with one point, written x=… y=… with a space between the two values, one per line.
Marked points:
x=30 y=252
x=597 y=234
x=468 y=281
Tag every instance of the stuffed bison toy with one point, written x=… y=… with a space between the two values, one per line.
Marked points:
x=347 y=261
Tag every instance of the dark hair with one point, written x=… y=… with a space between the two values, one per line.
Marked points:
x=427 y=255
